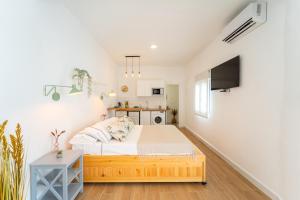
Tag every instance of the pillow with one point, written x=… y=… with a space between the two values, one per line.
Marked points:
x=119 y=130
x=101 y=129
x=115 y=127
x=101 y=126
x=118 y=135
x=127 y=123
x=107 y=121
x=96 y=134
x=110 y=120
x=82 y=139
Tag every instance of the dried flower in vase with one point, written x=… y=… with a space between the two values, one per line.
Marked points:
x=56 y=136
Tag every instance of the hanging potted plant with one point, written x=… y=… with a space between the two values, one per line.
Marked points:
x=80 y=75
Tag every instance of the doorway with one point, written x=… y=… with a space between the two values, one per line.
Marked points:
x=172 y=102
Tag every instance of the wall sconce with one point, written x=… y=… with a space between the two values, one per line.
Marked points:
x=56 y=96
x=110 y=94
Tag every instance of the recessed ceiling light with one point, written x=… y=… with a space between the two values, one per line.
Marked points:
x=153 y=46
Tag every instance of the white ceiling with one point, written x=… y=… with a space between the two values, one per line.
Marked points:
x=180 y=28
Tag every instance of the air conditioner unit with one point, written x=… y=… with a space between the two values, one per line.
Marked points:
x=254 y=15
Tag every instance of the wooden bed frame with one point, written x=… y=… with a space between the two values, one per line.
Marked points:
x=132 y=168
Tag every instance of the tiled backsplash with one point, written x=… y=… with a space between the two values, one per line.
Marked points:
x=153 y=102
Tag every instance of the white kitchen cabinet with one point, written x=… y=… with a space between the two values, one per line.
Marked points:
x=135 y=117
x=145 y=118
x=157 y=84
x=121 y=113
x=144 y=87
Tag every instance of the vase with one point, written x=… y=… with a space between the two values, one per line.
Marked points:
x=56 y=145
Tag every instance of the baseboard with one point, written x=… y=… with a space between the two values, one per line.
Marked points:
x=273 y=195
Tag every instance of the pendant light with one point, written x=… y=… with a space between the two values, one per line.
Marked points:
x=132 y=65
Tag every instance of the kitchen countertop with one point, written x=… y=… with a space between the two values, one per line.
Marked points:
x=137 y=109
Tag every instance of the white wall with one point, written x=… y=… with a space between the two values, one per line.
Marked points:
x=244 y=124
x=291 y=107
x=41 y=43
x=170 y=74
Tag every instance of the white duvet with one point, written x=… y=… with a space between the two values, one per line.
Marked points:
x=142 y=140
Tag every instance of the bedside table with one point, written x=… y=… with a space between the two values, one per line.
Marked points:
x=57 y=178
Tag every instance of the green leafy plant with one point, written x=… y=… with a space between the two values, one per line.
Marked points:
x=12 y=165
x=174 y=113
x=80 y=75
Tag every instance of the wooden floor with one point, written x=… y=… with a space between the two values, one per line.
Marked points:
x=223 y=183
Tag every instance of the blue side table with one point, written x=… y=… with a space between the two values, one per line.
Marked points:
x=57 y=178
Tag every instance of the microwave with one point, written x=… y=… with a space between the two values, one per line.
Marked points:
x=157 y=91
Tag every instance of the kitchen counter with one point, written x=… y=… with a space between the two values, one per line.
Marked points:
x=126 y=109
x=137 y=109
x=142 y=116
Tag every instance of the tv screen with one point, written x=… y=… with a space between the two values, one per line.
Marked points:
x=226 y=75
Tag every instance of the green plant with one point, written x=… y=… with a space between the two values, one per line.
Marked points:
x=80 y=74
x=174 y=113
x=12 y=170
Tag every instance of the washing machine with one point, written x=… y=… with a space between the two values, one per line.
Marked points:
x=158 y=117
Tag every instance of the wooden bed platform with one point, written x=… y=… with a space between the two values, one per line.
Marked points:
x=132 y=168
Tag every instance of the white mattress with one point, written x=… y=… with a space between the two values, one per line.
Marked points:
x=131 y=145
x=128 y=147
x=89 y=148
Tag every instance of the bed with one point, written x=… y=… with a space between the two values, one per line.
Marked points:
x=149 y=154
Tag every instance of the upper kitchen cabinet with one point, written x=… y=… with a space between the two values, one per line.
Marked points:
x=144 y=87
x=157 y=84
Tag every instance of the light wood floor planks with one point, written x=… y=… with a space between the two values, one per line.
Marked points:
x=223 y=183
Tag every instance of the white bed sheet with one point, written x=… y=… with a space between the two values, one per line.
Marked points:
x=89 y=148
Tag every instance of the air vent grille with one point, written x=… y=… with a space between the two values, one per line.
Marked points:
x=244 y=27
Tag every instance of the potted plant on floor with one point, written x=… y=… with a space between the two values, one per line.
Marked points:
x=174 y=113
x=12 y=165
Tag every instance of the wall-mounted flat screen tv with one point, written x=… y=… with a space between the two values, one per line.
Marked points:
x=226 y=75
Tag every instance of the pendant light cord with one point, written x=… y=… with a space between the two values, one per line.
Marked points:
x=132 y=65
x=139 y=65
x=126 y=66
